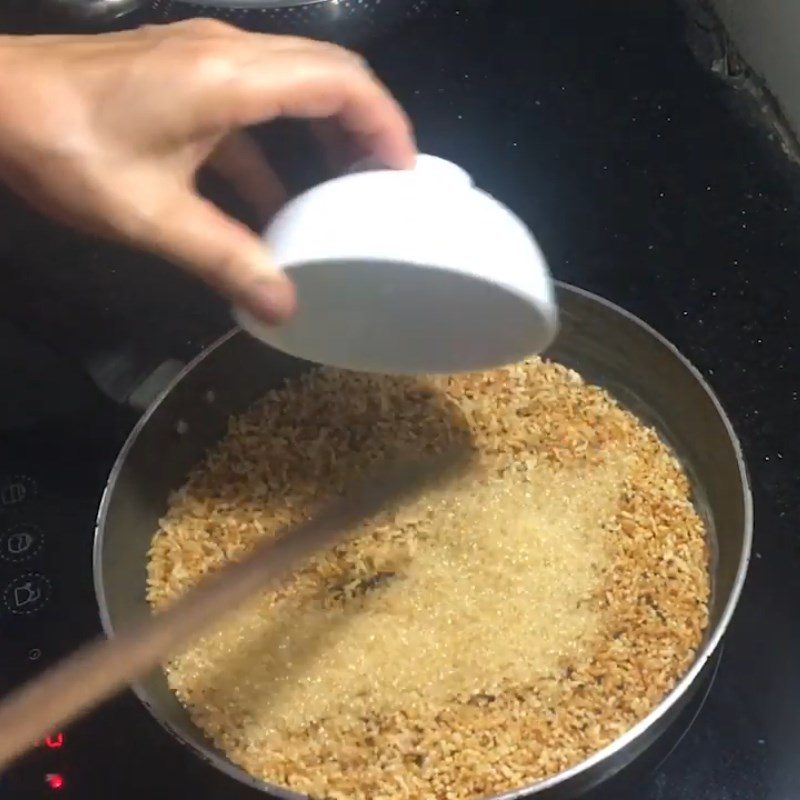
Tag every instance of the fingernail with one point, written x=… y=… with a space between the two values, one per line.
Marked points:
x=272 y=300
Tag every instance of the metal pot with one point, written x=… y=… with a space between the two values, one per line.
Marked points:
x=344 y=21
x=604 y=343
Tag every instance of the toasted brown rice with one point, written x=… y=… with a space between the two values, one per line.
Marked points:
x=494 y=632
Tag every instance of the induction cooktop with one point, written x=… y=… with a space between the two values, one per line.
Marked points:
x=645 y=181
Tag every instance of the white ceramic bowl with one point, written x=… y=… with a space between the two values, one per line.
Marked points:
x=411 y=271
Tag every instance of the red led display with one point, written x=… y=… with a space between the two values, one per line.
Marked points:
x=55 y=741
x=54 y=780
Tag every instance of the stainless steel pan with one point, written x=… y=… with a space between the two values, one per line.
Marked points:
x=606 y=344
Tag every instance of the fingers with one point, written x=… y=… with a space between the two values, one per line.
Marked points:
x=238 y=159
x=225 y=254
x=316 y=81
x=378 y=123
x=364 y=109
x=339 y=149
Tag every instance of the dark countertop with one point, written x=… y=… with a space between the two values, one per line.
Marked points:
x=646 y=181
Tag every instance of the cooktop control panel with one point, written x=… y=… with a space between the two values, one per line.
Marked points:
x=25 y=567
x=45 y=547
x=51 y=481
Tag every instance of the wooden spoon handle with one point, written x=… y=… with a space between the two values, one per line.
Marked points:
x=99 y=669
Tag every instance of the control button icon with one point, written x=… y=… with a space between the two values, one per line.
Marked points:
x=20 y=542
x=27 y=593
x=15 y=490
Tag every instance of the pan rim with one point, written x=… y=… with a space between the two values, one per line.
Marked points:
x=254 y=5
x=681 y=689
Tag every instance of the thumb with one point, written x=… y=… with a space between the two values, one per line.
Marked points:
x=224 y=253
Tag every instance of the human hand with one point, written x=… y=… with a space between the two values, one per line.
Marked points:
x=107 y=132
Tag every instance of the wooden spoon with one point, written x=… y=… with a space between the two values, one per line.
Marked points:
x=99 y=669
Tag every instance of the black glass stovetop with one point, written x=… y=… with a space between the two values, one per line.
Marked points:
x=646 y=180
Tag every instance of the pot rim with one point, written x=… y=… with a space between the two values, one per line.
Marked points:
x=257 y=5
